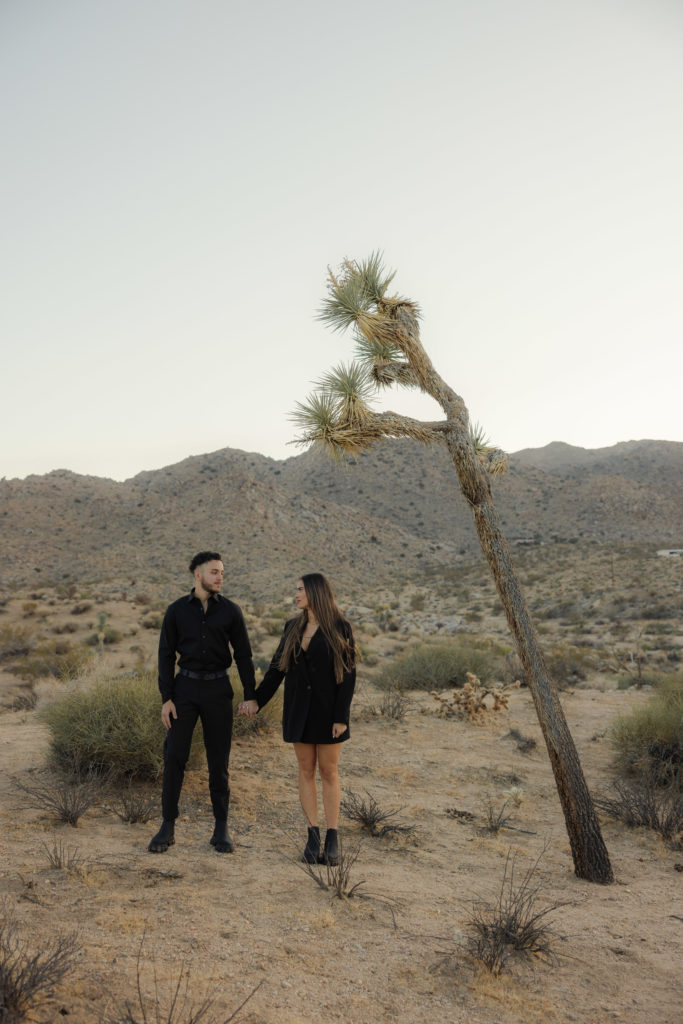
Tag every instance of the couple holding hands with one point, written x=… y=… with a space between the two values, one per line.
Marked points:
x=316 y=657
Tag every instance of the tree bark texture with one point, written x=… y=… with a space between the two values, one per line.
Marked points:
x=591 y=859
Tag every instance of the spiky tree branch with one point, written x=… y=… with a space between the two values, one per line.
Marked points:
x=339 y=416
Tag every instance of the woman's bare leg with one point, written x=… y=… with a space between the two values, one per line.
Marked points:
x=308 y=794
x=328 y=760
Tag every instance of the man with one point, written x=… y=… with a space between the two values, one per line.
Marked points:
x=201 y=628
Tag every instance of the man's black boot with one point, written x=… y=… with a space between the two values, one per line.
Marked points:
x=330 y=854
x=164 y=838
x=220 y=840
x=312 y=849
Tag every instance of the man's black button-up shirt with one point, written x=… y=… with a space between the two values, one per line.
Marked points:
x=203 y=640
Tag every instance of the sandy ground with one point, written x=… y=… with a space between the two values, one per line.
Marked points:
x=394 y=952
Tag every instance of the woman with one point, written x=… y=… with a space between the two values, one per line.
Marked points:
x=316 y=657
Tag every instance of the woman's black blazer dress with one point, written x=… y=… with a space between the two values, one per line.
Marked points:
x=313 y=699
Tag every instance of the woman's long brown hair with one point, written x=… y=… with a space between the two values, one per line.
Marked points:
x=331 y=622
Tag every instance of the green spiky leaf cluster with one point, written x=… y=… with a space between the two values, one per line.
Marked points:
x=338 y=414
x=357 y=289
x=493 y=459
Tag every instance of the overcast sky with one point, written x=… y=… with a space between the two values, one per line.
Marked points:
x=178 y=174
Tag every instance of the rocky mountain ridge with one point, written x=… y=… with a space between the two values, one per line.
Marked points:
x=389 y=513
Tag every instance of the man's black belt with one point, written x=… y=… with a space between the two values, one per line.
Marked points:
x=202 y=675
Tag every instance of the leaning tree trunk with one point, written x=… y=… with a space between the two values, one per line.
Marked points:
x=591 y=860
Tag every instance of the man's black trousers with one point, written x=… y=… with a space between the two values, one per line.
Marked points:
x=211 y=701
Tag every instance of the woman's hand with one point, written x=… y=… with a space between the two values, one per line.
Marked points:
x=338 y=729
x=248 y=708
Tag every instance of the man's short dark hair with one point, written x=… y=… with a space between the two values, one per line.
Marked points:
x=204 y=556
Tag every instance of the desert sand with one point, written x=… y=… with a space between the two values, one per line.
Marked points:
x=396 y=950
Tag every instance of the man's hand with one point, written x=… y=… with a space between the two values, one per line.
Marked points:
x=168 y=712
x=338 y=729
x=248 y=708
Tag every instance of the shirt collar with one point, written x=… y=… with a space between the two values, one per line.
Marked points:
x=212 y=597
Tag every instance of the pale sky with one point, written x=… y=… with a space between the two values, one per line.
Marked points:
x=178 y=174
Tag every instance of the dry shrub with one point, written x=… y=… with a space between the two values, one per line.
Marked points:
x=525 y=744
x=65 y=627
x=368 y=813
x=496 y=819
x=516 y=922
x=152 y=621
x=440 y=665
x=568 y=664
x=471 y=701
x=66 y=796
x=649 y=741
x=81 y=608
x=25 y=976
x=174 y=1007
x=394 y=706
x=647 y=806
x=24 y=701
x=135 y=804
x=336 y=879
x=107 y=635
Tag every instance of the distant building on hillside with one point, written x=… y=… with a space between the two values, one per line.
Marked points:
x=671 y=552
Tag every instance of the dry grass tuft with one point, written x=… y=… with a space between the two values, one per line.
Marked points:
x=63 y=857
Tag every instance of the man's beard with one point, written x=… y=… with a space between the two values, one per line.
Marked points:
x=210 y=585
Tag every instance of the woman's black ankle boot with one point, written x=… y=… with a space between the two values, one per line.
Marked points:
x=312 y=850
x=331 y=852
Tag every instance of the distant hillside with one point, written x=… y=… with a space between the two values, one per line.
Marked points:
x=631 y=492
x=392 y=511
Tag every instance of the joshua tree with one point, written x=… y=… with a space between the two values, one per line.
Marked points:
x=339 y=417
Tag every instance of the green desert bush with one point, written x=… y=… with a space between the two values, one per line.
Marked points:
x=567 y=663
x=649 y=740
x=152 y=621
x=108 y=634
x=440 y=665
x=109 y=724
x=14 y=641
x=56 y=659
